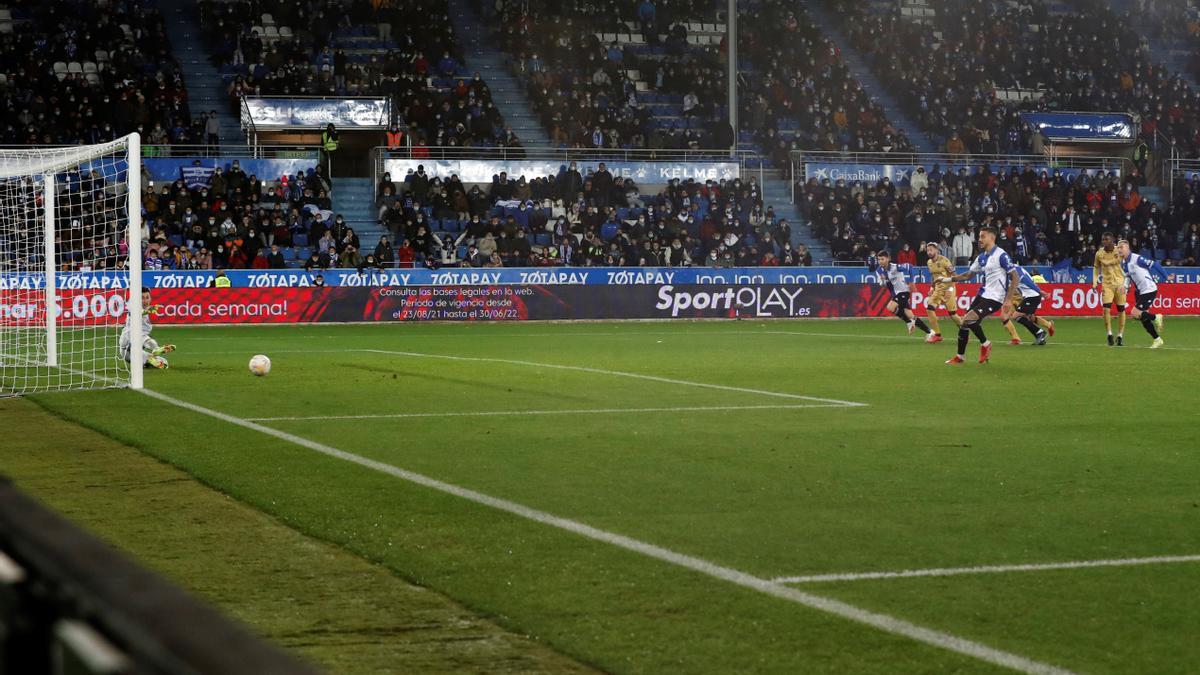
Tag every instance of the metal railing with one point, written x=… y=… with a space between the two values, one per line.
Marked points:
x=256 y=152
x=928 y=159
x=1176 y=169
x=248 y=128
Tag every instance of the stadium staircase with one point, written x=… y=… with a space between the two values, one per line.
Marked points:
x=205 y=88
x=777 y=193
x=822 y=18
x=1169 y=50
x=354 y=198
x=507 y=93
x=1155 y=194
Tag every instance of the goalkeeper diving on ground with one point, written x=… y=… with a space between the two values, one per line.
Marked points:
x=152 y=352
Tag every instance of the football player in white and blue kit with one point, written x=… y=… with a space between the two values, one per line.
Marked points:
x=1139 y=273
x=999 y=273
x=1031 y=299
x=895 y=277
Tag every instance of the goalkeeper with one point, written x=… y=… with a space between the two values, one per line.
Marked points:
x=152 y=353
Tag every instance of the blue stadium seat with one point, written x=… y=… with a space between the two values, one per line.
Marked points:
x=300 y=239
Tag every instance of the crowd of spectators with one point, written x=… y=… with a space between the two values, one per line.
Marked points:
x=1044 y=218
x=581 y=89
x=583 y=217
x=403 y=49
x=947 y=73
x=76 y=71
x=797 y=80
x=235 y=220
x=89 y=214
x=795 y=89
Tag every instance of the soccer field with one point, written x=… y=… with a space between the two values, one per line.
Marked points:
x=809 y=496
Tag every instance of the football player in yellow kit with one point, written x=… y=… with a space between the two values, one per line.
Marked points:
x=1107 y=272
x=941 y=293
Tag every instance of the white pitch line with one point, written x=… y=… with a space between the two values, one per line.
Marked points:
x=619 y=373
x=520 y=413
x=883 y=622
x=1052 y=343
x=989 y=569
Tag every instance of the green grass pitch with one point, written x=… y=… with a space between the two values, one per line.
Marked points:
x=824 y=448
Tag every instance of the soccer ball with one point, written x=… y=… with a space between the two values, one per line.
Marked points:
x=260 y=365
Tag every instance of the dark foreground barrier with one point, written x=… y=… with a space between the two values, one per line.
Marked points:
x=70 y=604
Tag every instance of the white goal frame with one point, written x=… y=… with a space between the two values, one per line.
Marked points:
x=44 y=165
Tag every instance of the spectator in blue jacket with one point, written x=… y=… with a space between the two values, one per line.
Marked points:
x=447 y=66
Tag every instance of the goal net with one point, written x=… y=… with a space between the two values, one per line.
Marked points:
x=70 y=267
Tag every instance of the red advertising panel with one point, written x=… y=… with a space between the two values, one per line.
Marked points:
x=1082 y=299
x=23 y=308
x=26 y=308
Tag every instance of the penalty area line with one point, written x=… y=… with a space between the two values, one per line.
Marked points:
x=521 y=413
x=882 y=622
x=989 y=569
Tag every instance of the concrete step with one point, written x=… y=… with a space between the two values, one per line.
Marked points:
x=484 y=55
x=822 y=18
x=206 y=90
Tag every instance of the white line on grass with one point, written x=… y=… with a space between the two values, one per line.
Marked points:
x=883 y=622
x=617 y=373
x=521 y=413
x=1052 y=343
x=988 y=569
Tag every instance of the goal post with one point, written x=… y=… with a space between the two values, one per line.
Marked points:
x=51 y=299
x=134 y=309
x=70 y=267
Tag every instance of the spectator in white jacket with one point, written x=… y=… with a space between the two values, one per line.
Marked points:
x=963 y=247
x=919 y=180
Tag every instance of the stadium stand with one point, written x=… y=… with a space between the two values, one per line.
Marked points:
x=592 y=72
x=965 y=68
x=583 y=216
x=240 y=221
x=799 y=93
x=1045 y=219
x=403 y=50
x=86 y=72
x=647 y=75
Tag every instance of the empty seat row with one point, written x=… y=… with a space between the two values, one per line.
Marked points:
x=77 y=67
x=272 y=32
